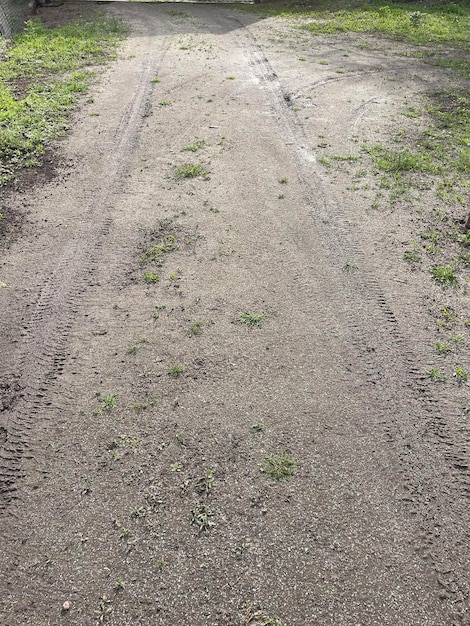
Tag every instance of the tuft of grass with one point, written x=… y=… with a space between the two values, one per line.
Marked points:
x=108 y=402
x=444 y=275
x=194 y=147
x=435 y=374
x=252 y=320
x=175 y=371
x=190 y=170
x=279 y=467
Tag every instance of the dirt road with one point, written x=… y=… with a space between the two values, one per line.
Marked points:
x=193 y=295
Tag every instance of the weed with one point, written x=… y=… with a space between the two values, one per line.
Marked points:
x=150 y=277
x=204 y=483
x=175 y=371
x=252 y=320
x=119 y=585
x=201 y=517
x=302 y=58
x=155 y=80
x=279 y=467
x=460 y=375
x=435 y=374
x=283 y=181
x=160 y=563
x=230 y=78
x=457 y=339
x=176 y=467
x=157 y=251
x=444 y=275
x=411 y=256
x=164 y=103
x=108 y=402
x=447 y=319
x=194 y=147
x=257 y=427
x=196 y=328
x=190 y=170
x=350 y=267
x=442 y=347
x=104 y=608
x=324 y=161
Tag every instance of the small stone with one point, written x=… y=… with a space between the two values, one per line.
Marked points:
x=66 y=606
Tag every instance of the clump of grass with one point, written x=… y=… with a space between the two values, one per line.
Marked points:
x=279 y=467
x=157 y=251
x=190 y=170
x=252 y=320
x=194 y=147
x=444 y=275
x=175 y=371
x=435 y=374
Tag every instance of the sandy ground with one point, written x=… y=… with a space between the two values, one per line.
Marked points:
x=131 y=410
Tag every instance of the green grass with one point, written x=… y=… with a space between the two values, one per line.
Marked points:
x=444 y=275
x=433 y=22
x=279 y=467
x=252 y=320
x=195 y=146
x=41 y=78
x=190 y=170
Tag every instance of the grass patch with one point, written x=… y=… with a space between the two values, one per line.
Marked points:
x=41 y=78
x=279 y=467
x=253 y=320
x=190 y=170
x=435 y=22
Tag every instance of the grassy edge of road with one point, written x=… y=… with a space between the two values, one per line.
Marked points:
x=43 y=71
x=421 y=167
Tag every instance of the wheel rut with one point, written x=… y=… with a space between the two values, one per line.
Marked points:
x=408 y=415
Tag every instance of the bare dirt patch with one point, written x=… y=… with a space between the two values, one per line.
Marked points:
x=167 y=334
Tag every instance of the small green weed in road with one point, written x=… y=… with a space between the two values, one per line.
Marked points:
x=190 y=170
x=435 y=374
x=201 y=517
x=252 y=320
x=279 y=467
x=444 y=275
x=194 y=147
x=175 y=371
x=460 y=375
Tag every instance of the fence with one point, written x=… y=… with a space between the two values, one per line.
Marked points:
x=13 y=14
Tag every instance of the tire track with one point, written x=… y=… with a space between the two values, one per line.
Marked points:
x=433 y=456
x=43 y=347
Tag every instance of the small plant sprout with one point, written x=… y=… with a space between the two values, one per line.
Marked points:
x=108 y=402
x=104 y=609
x=279 y=467
x=283 y=181
x=442 y=347
x=194 y=147
x=164 y=103
x=444 y=275
x=176 y=467
x=119 y=586
x=252 y=320
x=150 y=277
x=257 y=427
x=435 y=374
x=175 y=371
x=160 y=563
x=350 y=267
x=155 y=80
x=460 y=375
x=201 y=517
x=196 y=328
x=204 y=483
x=411 y=256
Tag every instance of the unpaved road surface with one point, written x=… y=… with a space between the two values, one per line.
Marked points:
x=137 y=413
